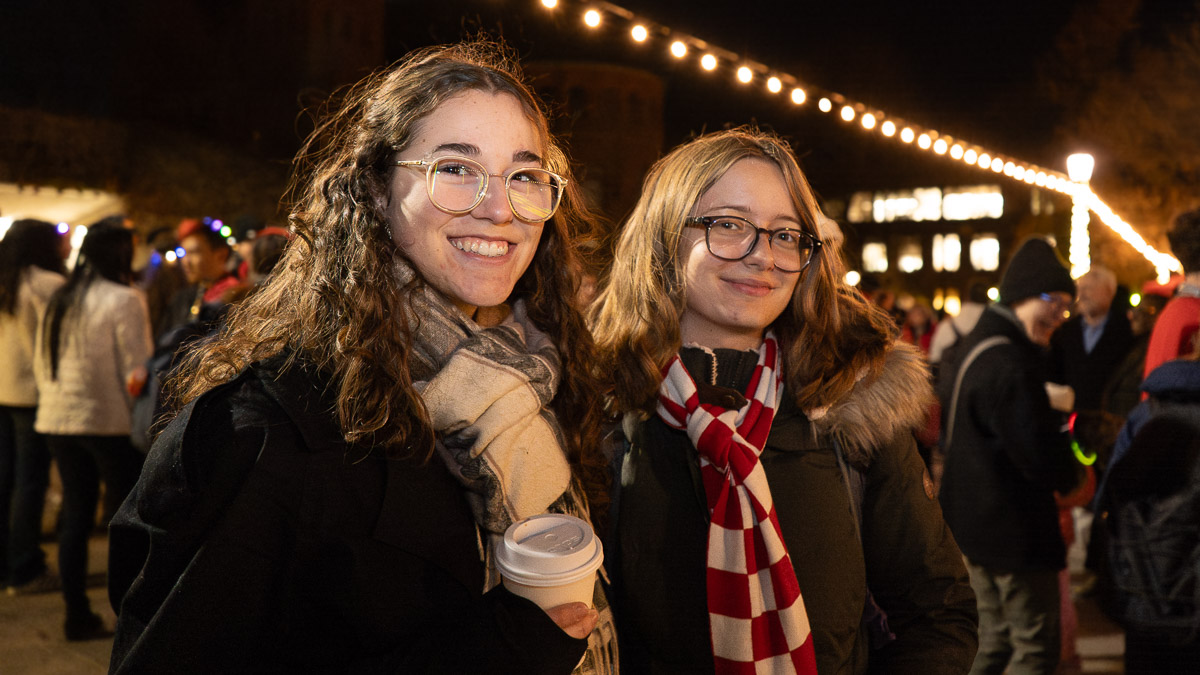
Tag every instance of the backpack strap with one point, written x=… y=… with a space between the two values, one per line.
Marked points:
x=980 y=348
x=954 y=327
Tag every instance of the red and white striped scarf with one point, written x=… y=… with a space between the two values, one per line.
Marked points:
x=755 y=611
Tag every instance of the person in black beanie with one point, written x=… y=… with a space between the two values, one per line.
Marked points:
x=1006 y=454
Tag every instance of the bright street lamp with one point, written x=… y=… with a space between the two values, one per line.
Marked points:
x=1079 y=167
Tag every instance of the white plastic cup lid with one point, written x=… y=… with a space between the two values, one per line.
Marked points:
x=549 y=550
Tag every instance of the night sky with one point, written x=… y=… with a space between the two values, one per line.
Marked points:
x=967 y=69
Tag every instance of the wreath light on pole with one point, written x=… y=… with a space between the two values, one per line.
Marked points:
x=1079 y=170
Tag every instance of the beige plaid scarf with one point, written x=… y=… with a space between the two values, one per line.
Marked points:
x=488 y=391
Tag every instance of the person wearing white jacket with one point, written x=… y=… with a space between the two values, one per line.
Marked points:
x=31 y=269
x=91 y=348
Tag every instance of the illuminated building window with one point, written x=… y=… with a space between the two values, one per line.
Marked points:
x=953 y=302
x=959 y=203
x=973 y=202
x=919 y=204
x=861 y=208
x=874 y=257
x=947 y=252
x=985 y=252
x=908 y=255
x=1040 y=203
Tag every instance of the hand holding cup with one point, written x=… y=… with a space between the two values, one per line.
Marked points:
x=552 y=560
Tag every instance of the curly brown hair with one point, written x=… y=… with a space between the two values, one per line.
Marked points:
x=830 y=336
x=334 y=299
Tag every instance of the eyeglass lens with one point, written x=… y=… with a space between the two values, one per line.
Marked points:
x=734 y=239
x=459 y=185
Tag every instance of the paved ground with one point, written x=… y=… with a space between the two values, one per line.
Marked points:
x=31 y=627
x=32 y=643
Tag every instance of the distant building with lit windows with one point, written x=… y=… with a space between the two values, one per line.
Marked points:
x=933 y=242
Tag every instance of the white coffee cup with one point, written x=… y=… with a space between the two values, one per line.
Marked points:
x=550 y=559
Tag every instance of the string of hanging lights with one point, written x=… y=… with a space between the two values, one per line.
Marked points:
x=870 y=119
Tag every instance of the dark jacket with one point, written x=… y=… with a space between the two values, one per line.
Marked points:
x=907 y=555
x=1145 y=550
x=1174 y=390
x=1085 y=372
x=1008 y=453
x=255 y=542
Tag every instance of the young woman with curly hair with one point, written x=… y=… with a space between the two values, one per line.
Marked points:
x=757 y=388
x=411 y=380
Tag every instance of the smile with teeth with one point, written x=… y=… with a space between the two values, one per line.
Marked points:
x=488 y=249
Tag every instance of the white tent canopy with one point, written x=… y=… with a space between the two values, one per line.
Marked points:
x=71 y=206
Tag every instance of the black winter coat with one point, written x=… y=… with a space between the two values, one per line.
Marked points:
x=1008 y=452
x=1088 y=373
x=255 y=543
x=906 y=556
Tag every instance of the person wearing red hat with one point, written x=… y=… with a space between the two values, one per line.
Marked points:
x=205 y=259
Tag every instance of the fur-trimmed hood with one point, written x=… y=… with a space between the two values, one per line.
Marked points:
x=874 y=411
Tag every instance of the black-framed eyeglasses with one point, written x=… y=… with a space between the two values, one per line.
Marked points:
x=1057 y=303
x=458 y=184
x=733 y=238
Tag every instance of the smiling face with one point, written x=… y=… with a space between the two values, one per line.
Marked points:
x=1041 y=316
x=730 y=304
x=202 y=263
x=475 y=258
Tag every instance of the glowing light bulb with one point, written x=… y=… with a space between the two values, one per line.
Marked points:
x=1080 y=166
x=985 y=160
x=924 y=141
x=825 y=104
x=888 y=128
x=970 y=156
x=868 y=121
x=708 y=62
x=852 y=278
x=639 y=33
x=997 y=165
x=678 y=49
x=1041 y=179
x=847 y=113
x=591 y=18
x=774 y=85
x=1009 y=168
x=169 y=256
x=956 y=151
x=940 y=146
x=63 y=228
x=550 y=4
x=798 y=96
x=744 y=75
x=907 y=135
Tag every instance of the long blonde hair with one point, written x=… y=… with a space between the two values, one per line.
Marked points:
x=828 y=333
